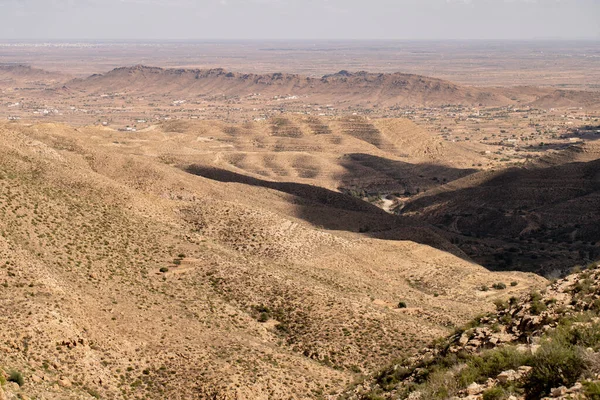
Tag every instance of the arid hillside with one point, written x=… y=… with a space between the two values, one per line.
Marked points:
x=544 y=345
x=126 y=276
x=204 y=234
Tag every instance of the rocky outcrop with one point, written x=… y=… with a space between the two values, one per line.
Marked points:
x=547 y=337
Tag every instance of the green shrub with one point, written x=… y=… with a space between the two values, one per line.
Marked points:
x=514 y=283
x=499 y=286
x=17 y=377
x=164 y=269
x=440 y=385
x=592 y=390
x=537 y=307
x=263 y=317
x=372 y=396
x=490 y=363
x=264 y=313
x=500 y=304
x=494 y=393
x=356 y=369
x=555 y=364
x=535 y=296
x=402 y=304
x=389 y=377
x=586 y=335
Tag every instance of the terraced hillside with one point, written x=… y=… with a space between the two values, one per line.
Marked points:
x=355 y=152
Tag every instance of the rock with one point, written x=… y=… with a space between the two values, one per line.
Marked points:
x=2 y=395
x=464 y=339
x=13 y=386
x=522 y=348
x=576 y=388
x=65 y=382
x=557 y=392
x=524 y=370
x=35 y=379
x=508 y=376
x=474 y=389
x=414 y=396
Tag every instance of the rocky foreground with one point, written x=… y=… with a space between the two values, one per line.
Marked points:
x=543 y=345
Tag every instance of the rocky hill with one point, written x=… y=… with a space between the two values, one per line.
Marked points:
x=348 y=88
x=343 y=87
x=545 y=344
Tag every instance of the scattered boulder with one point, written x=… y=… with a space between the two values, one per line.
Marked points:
x=558 y=392
x=475 y=388
x=65 y=382
x=508 y=376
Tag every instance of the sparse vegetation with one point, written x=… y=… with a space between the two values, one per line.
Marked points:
x=263 y=283
x=16 y=377
x=567 y=352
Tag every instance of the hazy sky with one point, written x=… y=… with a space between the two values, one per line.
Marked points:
x=298 y=19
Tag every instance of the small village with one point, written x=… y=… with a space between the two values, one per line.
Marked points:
x=511 y=135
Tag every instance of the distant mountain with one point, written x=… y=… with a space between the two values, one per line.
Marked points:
x=342 y=87
x=24 y=76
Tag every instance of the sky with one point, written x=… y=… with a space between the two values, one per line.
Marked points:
x=299 y=19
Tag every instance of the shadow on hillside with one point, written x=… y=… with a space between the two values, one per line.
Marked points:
x=382 y=175
x=542 y=220
x=337 y=211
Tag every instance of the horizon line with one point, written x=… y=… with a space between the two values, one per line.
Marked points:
x=541 y=39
